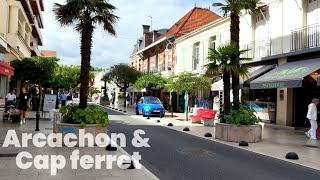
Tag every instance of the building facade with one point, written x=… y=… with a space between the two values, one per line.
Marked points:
x=20 y=35
x=192 y=54
x=285 y=34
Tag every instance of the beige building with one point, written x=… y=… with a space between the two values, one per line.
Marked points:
x=20 y=35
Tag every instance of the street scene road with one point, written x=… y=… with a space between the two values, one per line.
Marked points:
x=176 y=155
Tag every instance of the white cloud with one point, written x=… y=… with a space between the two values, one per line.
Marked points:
x=109 y=50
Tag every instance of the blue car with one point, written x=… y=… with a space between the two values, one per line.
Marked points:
x=149 y=105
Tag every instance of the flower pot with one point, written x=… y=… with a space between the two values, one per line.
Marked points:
x=234 y=133
x=93 y=129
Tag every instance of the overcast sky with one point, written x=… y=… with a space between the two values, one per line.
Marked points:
x=109 y=50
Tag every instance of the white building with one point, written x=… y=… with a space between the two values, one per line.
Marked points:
x=285 y=33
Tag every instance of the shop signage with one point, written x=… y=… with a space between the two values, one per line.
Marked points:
x=288 y=73
x=272 y=85
x=49 y=102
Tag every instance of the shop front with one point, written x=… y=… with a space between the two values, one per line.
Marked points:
x=5 y=72
x=292 y=86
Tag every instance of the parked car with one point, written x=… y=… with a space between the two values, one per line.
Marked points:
x=149 y=105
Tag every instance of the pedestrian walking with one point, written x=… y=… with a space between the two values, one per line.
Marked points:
x=63 y=98
x=128 y=98
x=23 y=103
x=312 y=116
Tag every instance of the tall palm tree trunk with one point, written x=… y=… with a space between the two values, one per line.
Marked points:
x=235 y=30
x=86 y=44
x=226 y=94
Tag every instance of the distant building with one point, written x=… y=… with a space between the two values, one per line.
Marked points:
x=49 y=53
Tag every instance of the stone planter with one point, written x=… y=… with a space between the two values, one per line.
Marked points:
x=104 y=103
x=234 y=133
x=93 y=129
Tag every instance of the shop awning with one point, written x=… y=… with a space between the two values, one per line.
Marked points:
x=217 y=86
x=288 y=75
x=253 y=73
x=258 y=71
x=6 y=69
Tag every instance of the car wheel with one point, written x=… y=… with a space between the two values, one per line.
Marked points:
x=143 y=113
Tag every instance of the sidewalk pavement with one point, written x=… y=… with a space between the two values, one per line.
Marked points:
x=276 y=141
x=10 y=171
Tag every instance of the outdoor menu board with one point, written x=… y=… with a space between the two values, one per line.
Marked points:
x=49 y=102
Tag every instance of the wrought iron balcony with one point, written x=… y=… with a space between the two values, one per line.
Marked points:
x=305 y=38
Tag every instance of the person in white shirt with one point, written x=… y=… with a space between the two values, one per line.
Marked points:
x=312 y=116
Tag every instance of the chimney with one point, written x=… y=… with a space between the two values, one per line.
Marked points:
x=146 y=28
x=155 y=35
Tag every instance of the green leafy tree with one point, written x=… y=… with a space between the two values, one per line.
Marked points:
x=150 y=81
x=222 y=61
x=234 y=8
x=187 y=82
x=36 y=70
x=85 y=15
x=122 y=75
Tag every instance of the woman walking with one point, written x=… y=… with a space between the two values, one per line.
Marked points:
x=23 y=104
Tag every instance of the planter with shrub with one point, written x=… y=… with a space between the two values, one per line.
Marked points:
x=93 y=119
x=241 y=125
x=104 y=100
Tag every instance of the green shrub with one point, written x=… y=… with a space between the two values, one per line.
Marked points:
x=243 y=116
x=92 y=114
x=96 y=91
x=105 y=98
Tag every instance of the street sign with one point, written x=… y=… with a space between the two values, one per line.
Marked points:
x=49 y=102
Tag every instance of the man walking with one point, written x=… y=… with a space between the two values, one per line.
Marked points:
x=63 y=98
x=312 y=116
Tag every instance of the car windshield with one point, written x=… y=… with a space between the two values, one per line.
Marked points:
x=151 y=100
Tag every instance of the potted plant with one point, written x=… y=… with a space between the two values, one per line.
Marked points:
x=104 y=100
x=93 y=119
x=241 y=125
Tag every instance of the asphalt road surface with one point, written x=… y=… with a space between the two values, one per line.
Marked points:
x=175 y=155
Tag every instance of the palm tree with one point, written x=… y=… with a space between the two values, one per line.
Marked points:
x=223 y=61
x=84 y=15
x=233 y=8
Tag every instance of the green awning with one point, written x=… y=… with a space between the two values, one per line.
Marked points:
x=288 y=75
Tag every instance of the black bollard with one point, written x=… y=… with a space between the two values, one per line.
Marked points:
x=37 y=121
x=186 y=129
x=158 y=121
x=208 y=135
x=129 y=162
x=110 y=148
x=292 y=155
x=243 y=143
x=170 y=124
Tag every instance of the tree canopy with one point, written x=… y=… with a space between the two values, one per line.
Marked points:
x=150 y=81
x=36 y=70
x=122 y=75
x=187 y=82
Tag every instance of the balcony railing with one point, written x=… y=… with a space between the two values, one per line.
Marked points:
x=257 y=49
x=305 y=38
x=23 y=40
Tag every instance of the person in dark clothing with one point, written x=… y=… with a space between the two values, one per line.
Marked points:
x=23 y=103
